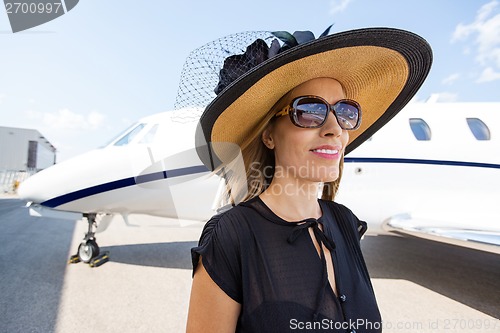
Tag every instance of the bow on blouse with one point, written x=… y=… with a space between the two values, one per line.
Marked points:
x=322 y=240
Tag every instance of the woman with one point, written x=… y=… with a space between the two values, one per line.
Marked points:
x=282 y=260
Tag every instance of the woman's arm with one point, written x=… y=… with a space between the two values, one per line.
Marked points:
x=210 y=308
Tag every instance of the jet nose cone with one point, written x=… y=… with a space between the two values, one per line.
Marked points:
x=37 y=187
x=27 y=190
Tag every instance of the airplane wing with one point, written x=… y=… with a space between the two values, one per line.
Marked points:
x=485 y=240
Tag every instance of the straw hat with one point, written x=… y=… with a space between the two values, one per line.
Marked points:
x=380 y=68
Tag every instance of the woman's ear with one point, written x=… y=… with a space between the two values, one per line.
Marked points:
x=267 y=138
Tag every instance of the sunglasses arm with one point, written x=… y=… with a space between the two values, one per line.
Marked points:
x=284 y=111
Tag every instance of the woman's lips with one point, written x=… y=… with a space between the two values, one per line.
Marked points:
x=328 y=152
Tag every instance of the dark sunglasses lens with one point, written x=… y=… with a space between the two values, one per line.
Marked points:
x=310 y=112
x=347 y=115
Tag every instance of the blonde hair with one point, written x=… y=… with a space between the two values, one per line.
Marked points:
x=259 y=165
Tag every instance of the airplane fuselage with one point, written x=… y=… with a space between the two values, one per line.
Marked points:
x=434 y=168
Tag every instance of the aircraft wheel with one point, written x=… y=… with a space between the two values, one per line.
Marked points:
x=88 y=250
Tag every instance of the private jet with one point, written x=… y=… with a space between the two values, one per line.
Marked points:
x=433 y=171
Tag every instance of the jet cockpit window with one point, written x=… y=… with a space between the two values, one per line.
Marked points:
x=125 y=140
x=420 y=129
x=479 y=129
x=150 y=135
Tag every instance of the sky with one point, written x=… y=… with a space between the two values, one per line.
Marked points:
x=87 y=75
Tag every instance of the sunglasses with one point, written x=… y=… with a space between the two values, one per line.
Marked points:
x=312 y=112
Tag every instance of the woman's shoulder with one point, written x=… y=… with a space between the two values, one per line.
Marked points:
x=230 y=215
x=344 y=214
x=332 y=205
x=229 y=220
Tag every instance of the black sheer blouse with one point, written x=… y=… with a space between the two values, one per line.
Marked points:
x=272 y=268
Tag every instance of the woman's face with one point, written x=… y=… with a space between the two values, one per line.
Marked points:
x=311 y=154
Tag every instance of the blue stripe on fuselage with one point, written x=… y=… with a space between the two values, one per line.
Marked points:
x=63 y=199
x=417 y=161
x=117 y=184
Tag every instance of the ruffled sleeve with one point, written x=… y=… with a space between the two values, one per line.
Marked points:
x=359 y=226
x=219 y=249
x=362 y=226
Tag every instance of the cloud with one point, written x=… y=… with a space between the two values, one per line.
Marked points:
x=451 y=79
x=2 y=98
x=488 y=75
x=95 y=119
x=338 y=6
x=485 y=28
x=462 y=31
x=446 y=97
x=67 y=119
x=441 y=97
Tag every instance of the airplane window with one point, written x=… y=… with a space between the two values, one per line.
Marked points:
x=119 y=135
x=130 y=135
x=420 y=129
x=478 y=129
x=150 y=135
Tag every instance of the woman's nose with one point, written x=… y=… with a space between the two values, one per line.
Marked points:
x=331 y=126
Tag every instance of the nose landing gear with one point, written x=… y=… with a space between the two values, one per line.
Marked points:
x=88 y=250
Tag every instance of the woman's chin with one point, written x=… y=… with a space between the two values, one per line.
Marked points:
x=329 y=177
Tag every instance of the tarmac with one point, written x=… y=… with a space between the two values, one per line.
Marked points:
x=421 y=286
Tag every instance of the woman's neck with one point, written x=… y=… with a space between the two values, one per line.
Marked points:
x=292 y=200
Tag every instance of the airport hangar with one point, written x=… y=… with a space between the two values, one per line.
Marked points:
x=23 y=152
